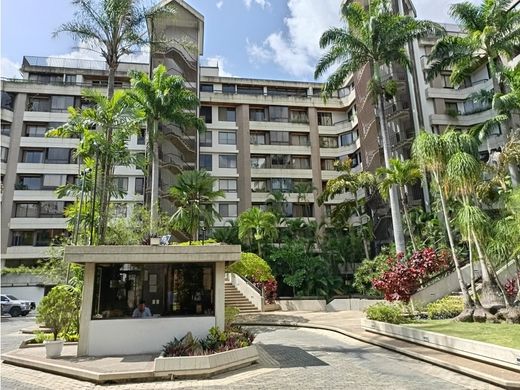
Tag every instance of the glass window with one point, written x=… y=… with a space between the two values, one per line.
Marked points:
x=328 y=165
x=61 y=103
x=227 y=161
x=167 y=289
x=141 y=138
x=328 y=142
x=25 y=210
x=52 y=209
x=40 y=104
x=356 y=159
x=259 y=185
x=206 y=113
x=120 y=210
x=45 y=237
x=7 y=100
x=5 y=153
x=228 y=88
x=58 y=156
x=33 y=156
x=300 y=140
x=258 y=114
x=35 y=130
x=121 y=183
x=30 y=183
x=22 y=238
x=227 y=138
x=279 y=137
x=206 y=138
x=301 y=162
x=139 y=186
x=349 y=138
x=228 y=209
x=70 y=78
x=325 y=118
x=227 y=114
x=280 y=161
x=282 y=185
x=227 y=185
x=53 y=181
x=250 y=90
x=302 y=210
x=299 y=116
x=258 y=162
x=206 y=88
x=5 y=128
x=452 y=108
x=206 y=162
x=278 y=114
x=257 y=139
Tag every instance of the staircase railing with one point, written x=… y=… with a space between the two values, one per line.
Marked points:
x=248 y=289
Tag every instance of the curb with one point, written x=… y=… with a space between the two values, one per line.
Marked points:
x=437 y=362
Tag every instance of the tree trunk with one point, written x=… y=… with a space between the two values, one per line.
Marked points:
x=407 y=218
x=111 y=79
x=468 y=302
x=365 y=242
x=397 y=225
x=472 y=271
x=154 y=196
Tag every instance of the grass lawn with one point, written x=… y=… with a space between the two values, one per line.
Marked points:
x=507 y=335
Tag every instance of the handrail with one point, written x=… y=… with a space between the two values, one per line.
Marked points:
x=250 y=284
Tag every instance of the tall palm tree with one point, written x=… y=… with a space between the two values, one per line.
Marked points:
x=276 y=202
x=302 y=190
x=193 y=197
x=374 y=36
x=432 y=153
x=106 y=113
x=257 y=225
x=402 y=174
x=491 y=34
x=162 y=98
x=349 y=182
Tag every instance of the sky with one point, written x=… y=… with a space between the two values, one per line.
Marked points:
x=272 y=39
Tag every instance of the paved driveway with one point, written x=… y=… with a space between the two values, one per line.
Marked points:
x=295 y=359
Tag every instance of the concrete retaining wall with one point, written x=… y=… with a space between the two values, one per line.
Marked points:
x=356 y=304
x=340 y=304
x=302 y=304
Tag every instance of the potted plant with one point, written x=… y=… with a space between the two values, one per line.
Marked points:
x=155 y=239
x=58 y=311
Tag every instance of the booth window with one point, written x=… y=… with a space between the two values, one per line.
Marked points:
x=168 y=289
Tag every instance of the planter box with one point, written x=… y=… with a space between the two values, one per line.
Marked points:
x=488 y=353
x=271 y=307
x=200 y=366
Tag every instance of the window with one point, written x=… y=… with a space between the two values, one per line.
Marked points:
x=121 y=183
x=168 y=289
x=299 y=116
x=227 y=161
x=451 y=108
x=301 y=162
x=61 y=103
x=206 y=139
x=5 y=128
x=120 y=210
x=300 y=140
x=45 y=237
x=280 y=161
x=30 y=183
x=70 y=78
x=58 y=156
x=351 y=114
x=32 y=156
x=228 y=209
x=5 y=153
x=282 y=185
x=26 y=210
x=35 y=130
x=227 y=138
x=258 y=162
x=325 y=118
x=38 y=103
x=206 y=162
x=258 y=114
x=141 y=139
x=446 y=83
x=250 y=90
x=206 y=113
x=328 y=165
x=259 y=185
x=139 y=186
x=278 y=114
x=302 y=210
x=226 y=114
x=227 y=185
x=356 y=159
x=52 y=209
x=206 y=88
x=328 y=142
x=257 y=139
x=228 y=88
x=279 y=138
x=7 y=100
x=349 y=138
x=22 y=238
x=53 y=181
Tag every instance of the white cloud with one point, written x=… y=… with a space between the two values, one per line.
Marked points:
x=262 y=3
x=218 y=61
x=297 y=50
x=9 y=69
x=220 y=4
x=436 y=10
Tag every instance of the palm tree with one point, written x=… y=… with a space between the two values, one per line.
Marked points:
x=432 y=154
x=374 y=36
x=302 y=189
x=276 y=202
x=491 y=34
x=107 y=113
x=402 y=174
x=257 y=225
x=349 y=182
x=162 y=98
x=193 y=197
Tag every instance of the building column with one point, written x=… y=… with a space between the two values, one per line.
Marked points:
x=314 y=138
x=87 y=299
x=244 y=158
x=220 y=292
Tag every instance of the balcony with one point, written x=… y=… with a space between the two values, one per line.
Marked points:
x=38 y=223
x=280 y=149
x=462 y=119
x=26 y=252
x=461 y=93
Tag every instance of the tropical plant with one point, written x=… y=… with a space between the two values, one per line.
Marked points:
x=386 y=312
x=255 y=225
x=447 y=307
x=162 y=98
x=227 y=234
x=371 y=269
x=376 y=36
x=276 y=202
x=252 y=267
x=193 y=197
x=403 y=174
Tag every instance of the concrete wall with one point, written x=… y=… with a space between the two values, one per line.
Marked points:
x=142 y=335
x=355 y=304
x=302 y=304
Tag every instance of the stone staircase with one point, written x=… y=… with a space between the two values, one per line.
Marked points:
x=234 y=298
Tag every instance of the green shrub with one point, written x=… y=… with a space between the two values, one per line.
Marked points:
x=230 y=315
x=447 y=307
x=40 y=337
x=252 y=267
x=196 y=243
x=386 y=312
